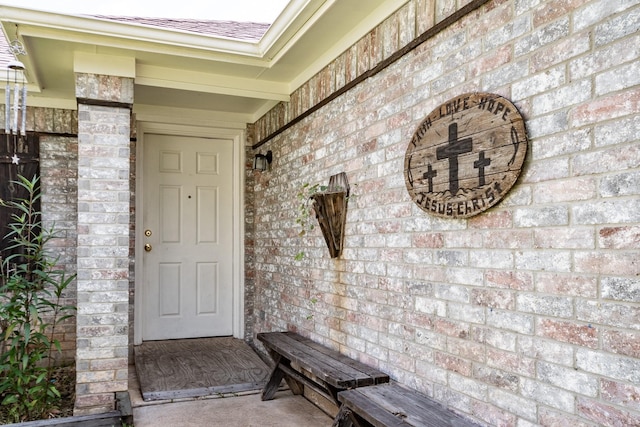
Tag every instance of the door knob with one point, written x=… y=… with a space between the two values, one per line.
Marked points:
x=147 y=247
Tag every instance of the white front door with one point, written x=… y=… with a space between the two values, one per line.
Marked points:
x=188 y=237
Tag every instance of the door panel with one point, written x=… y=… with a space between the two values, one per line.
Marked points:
x=188 y=289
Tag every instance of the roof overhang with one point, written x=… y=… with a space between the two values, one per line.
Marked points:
x=232 y=79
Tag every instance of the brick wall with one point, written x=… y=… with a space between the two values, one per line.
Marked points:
x=526 y=314
x=56 y=131
x=104 y=120
x=59 y=189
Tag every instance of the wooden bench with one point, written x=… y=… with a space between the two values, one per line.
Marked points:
x=301 y=361
x=393 y=405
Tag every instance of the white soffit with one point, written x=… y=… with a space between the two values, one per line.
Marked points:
x=307 y=36
x=122 y=66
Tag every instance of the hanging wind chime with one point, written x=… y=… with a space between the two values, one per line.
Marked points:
x=15 y=107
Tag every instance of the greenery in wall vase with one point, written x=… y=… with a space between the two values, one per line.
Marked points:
x=305 y=210
x=329 y=204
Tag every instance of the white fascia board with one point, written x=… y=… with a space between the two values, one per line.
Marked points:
x=288 y=24
x=91 y=63
x=350 y=39
x=193 y=117
x=282 y=45
x=149 y=75
x=88 y=30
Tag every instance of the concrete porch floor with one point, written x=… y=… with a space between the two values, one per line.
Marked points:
x=240 y=410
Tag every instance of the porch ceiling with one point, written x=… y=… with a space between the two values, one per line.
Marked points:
x=221 y=78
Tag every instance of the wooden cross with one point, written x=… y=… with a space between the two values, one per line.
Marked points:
x=429 y=175
x=451 y=151
x=480 y=164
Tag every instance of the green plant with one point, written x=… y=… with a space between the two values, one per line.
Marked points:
x=304 y=209
x=31 y=292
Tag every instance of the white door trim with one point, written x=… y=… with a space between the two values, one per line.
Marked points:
x=239 y=137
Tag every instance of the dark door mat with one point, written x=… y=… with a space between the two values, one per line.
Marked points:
x=198 y=367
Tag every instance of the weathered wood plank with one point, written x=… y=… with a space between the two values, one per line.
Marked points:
x=393 y=404
x=368 y=410
x=324 y=366
x=378 y=376
x=325 y=370
x=110 y=419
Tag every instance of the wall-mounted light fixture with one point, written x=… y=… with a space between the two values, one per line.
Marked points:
x=262 y=161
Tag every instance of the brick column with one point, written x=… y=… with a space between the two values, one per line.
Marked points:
x=103 y=240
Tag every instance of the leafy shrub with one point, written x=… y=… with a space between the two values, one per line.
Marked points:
x=31 y=292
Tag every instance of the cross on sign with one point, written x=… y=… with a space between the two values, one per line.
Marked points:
x=429 y=175
x=480 y=164
x=451 y=151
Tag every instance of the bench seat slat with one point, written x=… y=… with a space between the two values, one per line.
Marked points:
x=311 y=360
x=378 y=377
x=414 y=408
x=372 y=413
x=323 y=365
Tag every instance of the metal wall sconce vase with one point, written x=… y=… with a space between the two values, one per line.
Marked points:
x=261 y=162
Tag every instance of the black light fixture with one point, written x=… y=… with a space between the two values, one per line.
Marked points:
x=261 y=162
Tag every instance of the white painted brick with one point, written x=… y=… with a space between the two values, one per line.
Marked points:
x=617 y=27
x=549 y=124
x=618 y=132
x=513 y=403
x=541 y=216
x=467 y=386
x=466 y=313
x=491 y=259
x=431 y=306
x=621 y=289
x=545 y=304
x=568 y=379
x=542 y=261
x=561 y=98
x=619 y=78
x=505 y=75
x=552 y=32
x=608 y=365
x=511 y=321
x=497 y=338
x=508 y=32
x=551 y=351
x=607 y=212
x=548 y=395
x=539 y=83
x=452 y=293
x=598 y=11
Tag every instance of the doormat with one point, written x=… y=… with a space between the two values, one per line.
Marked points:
x=198 y=367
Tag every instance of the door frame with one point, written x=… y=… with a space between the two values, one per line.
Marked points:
x=238 y=136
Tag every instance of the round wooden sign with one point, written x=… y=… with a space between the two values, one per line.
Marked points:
x=465 y=155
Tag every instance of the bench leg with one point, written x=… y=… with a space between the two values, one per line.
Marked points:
x=276 y=377
x=343 y=418
x=294 y=385
x=272 y=385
